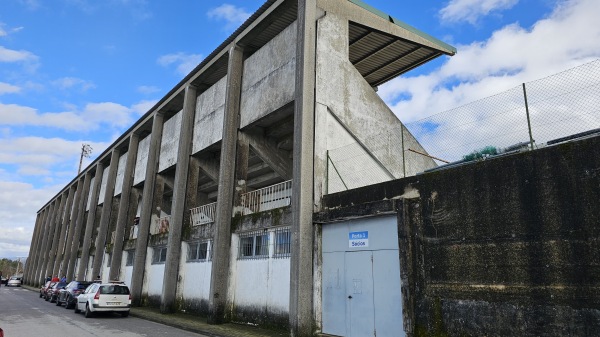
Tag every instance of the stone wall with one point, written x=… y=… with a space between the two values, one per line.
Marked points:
x=502 y=247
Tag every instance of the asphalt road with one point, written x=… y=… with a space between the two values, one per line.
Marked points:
x=24 y=314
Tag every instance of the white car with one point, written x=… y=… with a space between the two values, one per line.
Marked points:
x=14 y=281
x=104 y=297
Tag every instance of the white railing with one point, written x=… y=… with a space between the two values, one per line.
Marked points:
x=204 y=214
x=161 y=225
x=264 y=199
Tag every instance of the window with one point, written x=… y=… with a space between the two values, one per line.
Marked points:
x=283 y=239
x=130 y=257
x=254 y=245
x=198 y=251
x=159 y=255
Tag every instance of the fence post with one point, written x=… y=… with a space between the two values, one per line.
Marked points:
x=528 y=119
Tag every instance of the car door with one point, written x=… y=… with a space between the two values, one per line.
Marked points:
x=83 y=298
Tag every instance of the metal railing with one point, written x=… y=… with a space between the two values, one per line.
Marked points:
x=161 y=225
x=267 y=198
x=204 y=214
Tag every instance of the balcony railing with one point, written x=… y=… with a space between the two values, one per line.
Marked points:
x=264 y=199
x=161 y=225
x=204 y=214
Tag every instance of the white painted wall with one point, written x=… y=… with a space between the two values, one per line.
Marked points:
x=105 y=270
x=89 y=196
x=195 y=277
x=141 y=160
x=103 y=185
x=268 y=81
x=169 y=144
x=208 y=120
x=120 y=174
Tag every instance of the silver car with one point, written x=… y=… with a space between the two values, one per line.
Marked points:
x=14 y=281
x=104 y=297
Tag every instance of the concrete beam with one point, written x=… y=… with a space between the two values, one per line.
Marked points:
x=83 y=198
x=89 y=226
x=64 y=228
x=124 y=203
x=106 y=210
x=210 y=167
x=178 y=210
x=47 y=237
x=141 y=245
x=267 y=150
x=219 y=281
x=74 y=213
x=56 y=235
x=301 y=276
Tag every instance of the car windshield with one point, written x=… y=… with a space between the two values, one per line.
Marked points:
x=82 y=285
x=114 y=289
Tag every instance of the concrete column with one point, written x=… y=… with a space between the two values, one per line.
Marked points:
x=301 y=277
x=106 y=209
x=122 y=217
x=72 y=221
x=40 y=247
x=64 y=219
x=56 y=234
x=141 y=245
x=89 y=226
x=80 y=211
x=241 y=168
x=33 y=250
x=49 y=233
x=178 y=208
x=219 y=281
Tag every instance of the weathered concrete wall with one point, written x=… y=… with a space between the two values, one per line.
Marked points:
x=103 y=185
x=120 y=174
x=194 y=286
x=208 y=120
x=343 y=92
x=89 y=197
x=169 y=142
x=503 y=247
x=141 y=160
x=268 y=82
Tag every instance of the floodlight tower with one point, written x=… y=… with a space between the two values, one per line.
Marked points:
x=86 y=150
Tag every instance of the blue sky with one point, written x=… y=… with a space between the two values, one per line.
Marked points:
x=83 y=71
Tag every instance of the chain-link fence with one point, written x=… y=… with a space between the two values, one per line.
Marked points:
x=528 y=116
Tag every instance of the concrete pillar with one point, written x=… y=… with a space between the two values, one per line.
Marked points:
x=122 y=218
x=106 y=209
x=80 y=211
x=36 y=279
x=64 y=219
x=178 y=210
x=141 y=245
x=301 y=277
x=89 y=226
x=72 y=221
x=49 y=234
x=219 y=281
x=56 y=234
x=33 y=250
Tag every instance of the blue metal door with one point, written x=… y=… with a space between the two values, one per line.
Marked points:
x=360 y=311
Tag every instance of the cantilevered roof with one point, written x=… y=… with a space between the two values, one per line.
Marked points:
x=381 y=56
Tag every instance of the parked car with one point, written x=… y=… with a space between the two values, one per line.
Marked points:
x=3 y=280
x=45 y=287
x=69 y=294
x=52 y=293
x=14 y=281
x=104 y=297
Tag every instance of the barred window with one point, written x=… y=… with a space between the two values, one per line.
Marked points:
x=283 y=239
x=130 y=257
x=254 y=245
x=198 y=251
x=159 y=255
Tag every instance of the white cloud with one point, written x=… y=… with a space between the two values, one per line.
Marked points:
x=234 y=16
x=185 y=63
x=6 y=88
x=143 y=106
x=147 y=89
x=472 y=10
x=73 y=82
x=10 y=55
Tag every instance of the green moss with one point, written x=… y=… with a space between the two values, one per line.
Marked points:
x=438 y=329
x=236 y=221
x=276 y=215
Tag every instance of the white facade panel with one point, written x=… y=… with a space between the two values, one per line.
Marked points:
x=103 y=185
x=195 y=277
x=89 y=196
x=208 y=121
x=142 y=160
x=169 y=144
x=120 y=174
x=269 y=77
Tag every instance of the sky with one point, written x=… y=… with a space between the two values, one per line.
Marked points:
x=76 y=72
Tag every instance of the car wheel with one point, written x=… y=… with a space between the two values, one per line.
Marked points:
x=125 y=313
x=77 y=309
x=88 y=313
x=40 y=295
x=68 y=303
x=46 y=298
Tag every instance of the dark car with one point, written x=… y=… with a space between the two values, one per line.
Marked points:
x=69 y=294
x=52 y=293
x=45 y=287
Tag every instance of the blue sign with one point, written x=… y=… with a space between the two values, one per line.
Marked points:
x=358 y=239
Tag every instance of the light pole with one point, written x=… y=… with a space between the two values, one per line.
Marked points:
x=86 y=150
